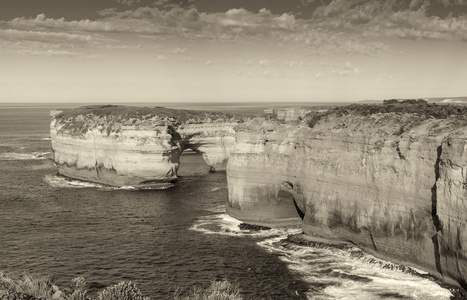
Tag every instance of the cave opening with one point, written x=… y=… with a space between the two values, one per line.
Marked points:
x=289 y=205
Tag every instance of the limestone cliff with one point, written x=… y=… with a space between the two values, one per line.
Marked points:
x=391 y=179
x=117 y=145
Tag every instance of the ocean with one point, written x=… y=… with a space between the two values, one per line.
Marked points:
x=162 y=240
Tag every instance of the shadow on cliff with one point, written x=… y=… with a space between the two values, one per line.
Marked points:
x=434 y=212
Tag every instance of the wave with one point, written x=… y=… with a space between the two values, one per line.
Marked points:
x=63 y=182
x=221 y=223
x=59 y=181
x=352 y=274
x=331 y=273
x=23 y=156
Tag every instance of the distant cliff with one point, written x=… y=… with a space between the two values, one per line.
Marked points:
x=138 y=146
x=390 y=178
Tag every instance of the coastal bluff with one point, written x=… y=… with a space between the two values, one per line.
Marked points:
x=136 y=146
x=390 y=178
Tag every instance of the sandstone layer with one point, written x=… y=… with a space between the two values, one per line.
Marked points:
x=391 y=181
x=119 y=146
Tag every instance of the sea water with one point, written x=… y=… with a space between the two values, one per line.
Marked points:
x=162 y=240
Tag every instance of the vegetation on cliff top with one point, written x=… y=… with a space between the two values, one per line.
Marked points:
x=143 y=113
x=32 y=288
x=421 y=111
x=112 y=117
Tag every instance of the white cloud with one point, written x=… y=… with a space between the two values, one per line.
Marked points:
x=41 y=22
x=179 y=50
x=378 y=18
x=345 y=26
x=346 y=69
x=161 y=57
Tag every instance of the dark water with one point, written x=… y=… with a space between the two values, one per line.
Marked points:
x=159 y=239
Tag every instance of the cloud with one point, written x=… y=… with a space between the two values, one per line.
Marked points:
x=161 y=57
x=343 y=26
x=42 y=22
x=179 y=50
x=43 y=35
x=265 y=62
x=127 y=2
x=46 y=53
x=390 y=19
x=346 y=69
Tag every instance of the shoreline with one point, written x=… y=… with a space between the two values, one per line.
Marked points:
x=391 y=263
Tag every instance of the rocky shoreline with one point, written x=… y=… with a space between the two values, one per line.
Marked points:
x=381 y=260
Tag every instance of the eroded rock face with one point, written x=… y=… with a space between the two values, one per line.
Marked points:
x=392 y=182
x=214 y=140
x=121 y=146
x=398 y=191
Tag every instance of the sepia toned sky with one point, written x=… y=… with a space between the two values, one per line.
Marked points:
x=229 y=50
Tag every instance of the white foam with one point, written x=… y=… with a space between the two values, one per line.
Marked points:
x=350 y=277
x=63 y=182
x=221 y=223
x=343 y=275
x=23 y=156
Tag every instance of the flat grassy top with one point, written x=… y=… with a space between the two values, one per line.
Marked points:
x=421 y=111
x=120 y=112
x=111 y=118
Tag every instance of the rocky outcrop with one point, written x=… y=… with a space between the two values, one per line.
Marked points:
x=391 y=182
x=120 y=146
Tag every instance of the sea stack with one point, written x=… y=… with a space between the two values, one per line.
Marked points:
x=136 y=146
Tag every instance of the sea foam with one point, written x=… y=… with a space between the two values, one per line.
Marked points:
x=23 y=156
x=331 y=273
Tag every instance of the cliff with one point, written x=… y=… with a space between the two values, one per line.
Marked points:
x=137 y=146
x=392 y=179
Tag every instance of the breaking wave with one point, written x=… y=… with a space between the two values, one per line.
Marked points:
x=59 y=181
x=332 y=273
x=221 y=223
x=23 y=156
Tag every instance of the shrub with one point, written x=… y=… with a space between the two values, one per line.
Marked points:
x=422 y=110
x=39 y=287
x=28 y=287
x=219 y=290
x=121 y=291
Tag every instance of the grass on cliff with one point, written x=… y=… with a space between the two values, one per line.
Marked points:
x=112 y=117
x=32 y=288
x=141 y=113
x=422 y=111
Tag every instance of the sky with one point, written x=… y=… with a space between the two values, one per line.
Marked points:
x=231 y=50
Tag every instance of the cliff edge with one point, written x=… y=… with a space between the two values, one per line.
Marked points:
x=389 y=178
